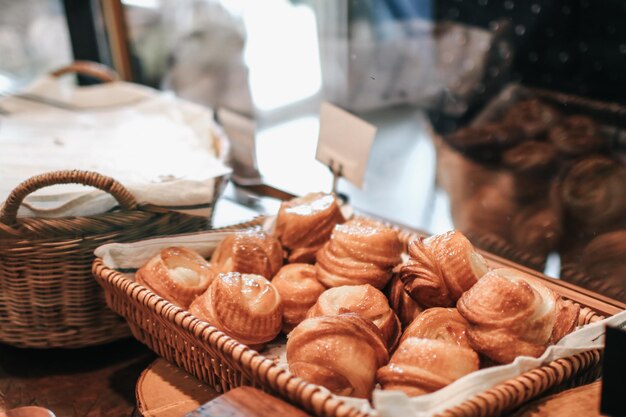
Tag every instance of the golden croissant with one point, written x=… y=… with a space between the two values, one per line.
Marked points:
x=248 y=252
x=421 y=366
x=441 y=268
x=364 y=300
x=359 y=252
x=511 y=315
x=299 y=289
x=304 y=224
x=445 y=324
x=177 y=274
x=341 y=353
x=244 y=306
x=401 y=302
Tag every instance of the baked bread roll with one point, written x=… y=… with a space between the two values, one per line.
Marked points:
x=177 y=274
x=364 y=300
x=577 y=135
x=401 y=302
x=248 y=252
x=359 y=252
x=299 y=289
x=341 y=353
x=511 y=315
x=445 y=324
x=421 y=366
x=441 y=268
x=304 y=224
x=532 y=117
x=246 y=307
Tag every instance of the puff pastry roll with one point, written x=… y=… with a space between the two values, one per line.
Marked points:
x=299 y=289
x=341 y=353
x=244 y=306
x=177 y=274
x=445 y=324
x=441 y=268
x=421 y=366
x=401 y=302
x=360 y=251
x=510 y=315
x=364 y=300
x=248 y=252
x=304 y=224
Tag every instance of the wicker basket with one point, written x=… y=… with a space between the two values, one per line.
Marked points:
x=224 y=363
x=48 y=297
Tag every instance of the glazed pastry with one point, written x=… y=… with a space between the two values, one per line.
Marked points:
x=359 y=252
x=441 y=268
x=177 y=274
x=532 y=163
x=593 y=194
x=484 y=142
x=364 y=300
x=246 y=307
x=341 y=353
x=532 y=117
x=248 y=252
x=422 y=366
x=445 y=324
x=577 y=135
x=603 y=262
x=401 y=302
x=511 y=315
x=536 y=229
x=299 y=289
x=304 y=224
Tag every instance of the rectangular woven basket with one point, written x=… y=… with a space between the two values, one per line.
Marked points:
x=224 y=363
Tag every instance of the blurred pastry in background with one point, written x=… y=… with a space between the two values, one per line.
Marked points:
x=577 y=136
x=299 y=289
x=305 y=224
x=532 y=117
x=536 y=229
x=485 y=142
x=532 y=163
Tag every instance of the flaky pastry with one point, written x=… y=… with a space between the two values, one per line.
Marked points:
x=246 y=307
x=299 y=289
x=359 y=252
x=401 y=302
x=248 y=252
x=304 y=224
x=177 y=274
x=445 y=324
x=441 y=268
x=510 y=315
x=341 y=353
x=364 y=300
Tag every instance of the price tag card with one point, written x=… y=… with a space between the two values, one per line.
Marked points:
x=613 y=401
x=241 y=132
x=344 y=142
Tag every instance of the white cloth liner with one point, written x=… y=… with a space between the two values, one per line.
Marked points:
x=161 y=148
x=386 y=403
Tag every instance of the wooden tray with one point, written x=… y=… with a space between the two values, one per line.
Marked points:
x=224 y=363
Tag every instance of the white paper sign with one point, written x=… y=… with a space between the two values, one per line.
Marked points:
x=344 y=142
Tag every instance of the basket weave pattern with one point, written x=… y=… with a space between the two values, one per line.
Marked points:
x=223 y=363
x=48 y=297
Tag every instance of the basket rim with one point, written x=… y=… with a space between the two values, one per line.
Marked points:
x=291 y=386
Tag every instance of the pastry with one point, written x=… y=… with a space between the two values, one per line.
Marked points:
x=177 y=274
x=248 y=252
x=246 y=307
x=593 y=194
x=341 y=353
x=441 y=268
x=511 y=315
x=299 y=289
x=364 y=300
x=445 y=324
x=577 y=136
x=401 y=302
x=304 y=224
x=359 y=252
x=532 y=117
x=485 y=142
x=533 y=164
x=421 y=366
x=536 y=229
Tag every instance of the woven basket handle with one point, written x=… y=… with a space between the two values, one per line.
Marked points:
x=90 y=69
x=8 y=215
